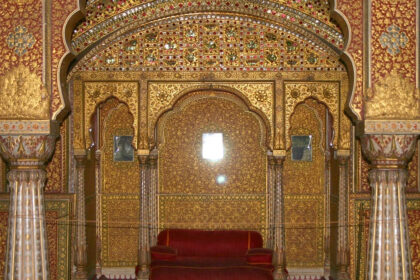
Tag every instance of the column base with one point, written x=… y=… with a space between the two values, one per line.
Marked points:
x=143 y=275
x=280 y=274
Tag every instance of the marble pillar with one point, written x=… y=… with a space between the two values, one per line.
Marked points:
x=389 y=252
x=27 y=254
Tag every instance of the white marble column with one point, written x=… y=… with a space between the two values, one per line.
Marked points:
x=343 y=157
x=278 y=205
x=80 y=246
x=389 y=252
x=27 y=254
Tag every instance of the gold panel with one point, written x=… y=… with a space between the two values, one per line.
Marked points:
x=162 y=96
x=326 y=92
x=394 y=97
x=120 y=176
x=181 y=166
x=304 y=189
x=120 y=194
x=23 y=95
x=120 y=232
x=213 y=212
x=304 y=230
x=97 y=92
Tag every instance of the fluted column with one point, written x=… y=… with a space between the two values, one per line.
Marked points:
x=27 y=243
x=80 y=248
x=144 y=245
x=279 y=253
x=343 y=250
x=389 y=254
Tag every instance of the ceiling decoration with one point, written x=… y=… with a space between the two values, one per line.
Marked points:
x=211 y=43
x=104 y=17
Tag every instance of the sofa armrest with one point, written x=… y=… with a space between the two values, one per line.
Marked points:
x=259 y=256
x=163 y=253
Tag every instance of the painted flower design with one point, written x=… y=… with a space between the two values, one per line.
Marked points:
x=20 y=40
x=393 y=40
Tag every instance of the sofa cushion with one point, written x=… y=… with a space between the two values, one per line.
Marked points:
x=163 y=253
x=200 y=243
x=259 y=256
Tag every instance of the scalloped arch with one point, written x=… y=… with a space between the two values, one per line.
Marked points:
x=72 y=57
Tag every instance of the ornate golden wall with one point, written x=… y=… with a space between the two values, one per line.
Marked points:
x=305 y=190
x=189 y=196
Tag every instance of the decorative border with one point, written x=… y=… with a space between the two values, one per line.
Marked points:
x=392 y=127
x=11 y=127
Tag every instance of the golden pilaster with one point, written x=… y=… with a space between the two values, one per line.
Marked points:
x=144 y=244
x=80 y=248
x=389 y=254
x=278 y=205
x=27 y=256
x=343 y=157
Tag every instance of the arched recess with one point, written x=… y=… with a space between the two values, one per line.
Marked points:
x=189 y=194
x=111 y=188
x=310 y=191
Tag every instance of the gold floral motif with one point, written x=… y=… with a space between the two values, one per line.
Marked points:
x=247 y=212
x=120 y=214
x=326 y=92
x=394 y=97
x=78 y=120
x=97 y=92
x=304 y=230
x=23 y=95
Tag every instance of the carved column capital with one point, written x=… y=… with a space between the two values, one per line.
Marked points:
x=276 y=160
x=388 y=150
x=80 y=158
x=143 y=160
x=27 y=151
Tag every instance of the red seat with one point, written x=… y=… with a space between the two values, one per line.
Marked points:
x=198 y=254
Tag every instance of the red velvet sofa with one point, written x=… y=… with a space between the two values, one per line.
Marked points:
x=210 y=255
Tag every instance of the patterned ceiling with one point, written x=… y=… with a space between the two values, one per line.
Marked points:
x=104 y=17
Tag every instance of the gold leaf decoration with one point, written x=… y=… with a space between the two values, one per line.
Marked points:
x=23 y=95
x=393 y=98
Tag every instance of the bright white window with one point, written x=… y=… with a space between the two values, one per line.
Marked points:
x=213 y=146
